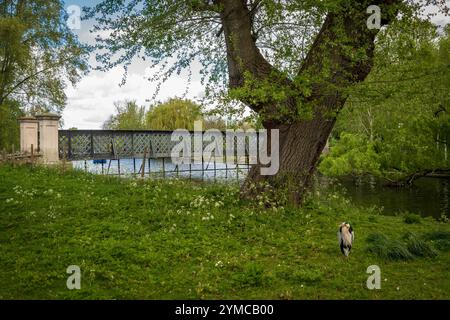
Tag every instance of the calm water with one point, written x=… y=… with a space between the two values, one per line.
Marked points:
x=428 y=196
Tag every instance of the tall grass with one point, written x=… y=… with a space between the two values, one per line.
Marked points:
x=418 y=246
x=441 y=239
x=411 y=246
x=387 y=248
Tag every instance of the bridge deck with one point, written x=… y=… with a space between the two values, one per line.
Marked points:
x=121 y=144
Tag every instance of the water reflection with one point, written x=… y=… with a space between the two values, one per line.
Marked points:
x=427 y=197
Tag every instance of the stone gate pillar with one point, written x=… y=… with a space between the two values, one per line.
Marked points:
x=48 y=137
x=29 y=127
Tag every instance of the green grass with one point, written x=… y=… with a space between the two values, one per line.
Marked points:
x=411 y=218
x=184 y=240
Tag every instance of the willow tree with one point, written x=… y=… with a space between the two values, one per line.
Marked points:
x=291 y=62
x=173 y=114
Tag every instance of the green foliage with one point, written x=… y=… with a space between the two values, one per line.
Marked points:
x=411 y=218
x=38 y=54
x=9 y=126
x=353 y=154
x=274 y=92
x=411 y=246
x=302 y=275
x=215 y=122
x=175 y=239
x=128 y=116
x=189 y=31
x=441 y=239
x=400 y=116
x=251 y=276
x=444 y=217
x=275 y=80
x=170 y=115
x=173 y=114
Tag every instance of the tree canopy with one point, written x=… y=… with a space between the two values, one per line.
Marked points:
x=174 y=33
x=174 y=114
x=397 y=123
x=128 y=116
x=38 y=53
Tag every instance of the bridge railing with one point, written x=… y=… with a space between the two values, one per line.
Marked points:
x=121 y=144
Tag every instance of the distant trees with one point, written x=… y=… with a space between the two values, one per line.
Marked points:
x=174 y=114
x=397 y=124
x=129 y=116
x=214 y=122
x=170 y=115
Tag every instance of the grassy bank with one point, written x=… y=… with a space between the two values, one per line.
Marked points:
x=176 y=240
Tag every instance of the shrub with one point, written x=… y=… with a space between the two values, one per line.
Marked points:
x=443 y=218
x=410 y=247
x=441 y=239
x=387 y=248
x=411 y=218
x=419 y=247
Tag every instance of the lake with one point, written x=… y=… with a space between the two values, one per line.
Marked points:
x=427 y=196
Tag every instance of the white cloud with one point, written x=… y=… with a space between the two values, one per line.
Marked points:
x=91 y=102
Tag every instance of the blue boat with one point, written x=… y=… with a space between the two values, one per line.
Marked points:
x=100 y=161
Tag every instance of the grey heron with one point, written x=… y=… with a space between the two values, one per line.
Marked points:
x=346 y=236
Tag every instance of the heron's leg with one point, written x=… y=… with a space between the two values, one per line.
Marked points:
x=342 y=248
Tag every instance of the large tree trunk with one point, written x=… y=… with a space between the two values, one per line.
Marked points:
x=301 y=145
x=341 y=55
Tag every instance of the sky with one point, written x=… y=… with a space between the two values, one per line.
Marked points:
x=91 y=102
